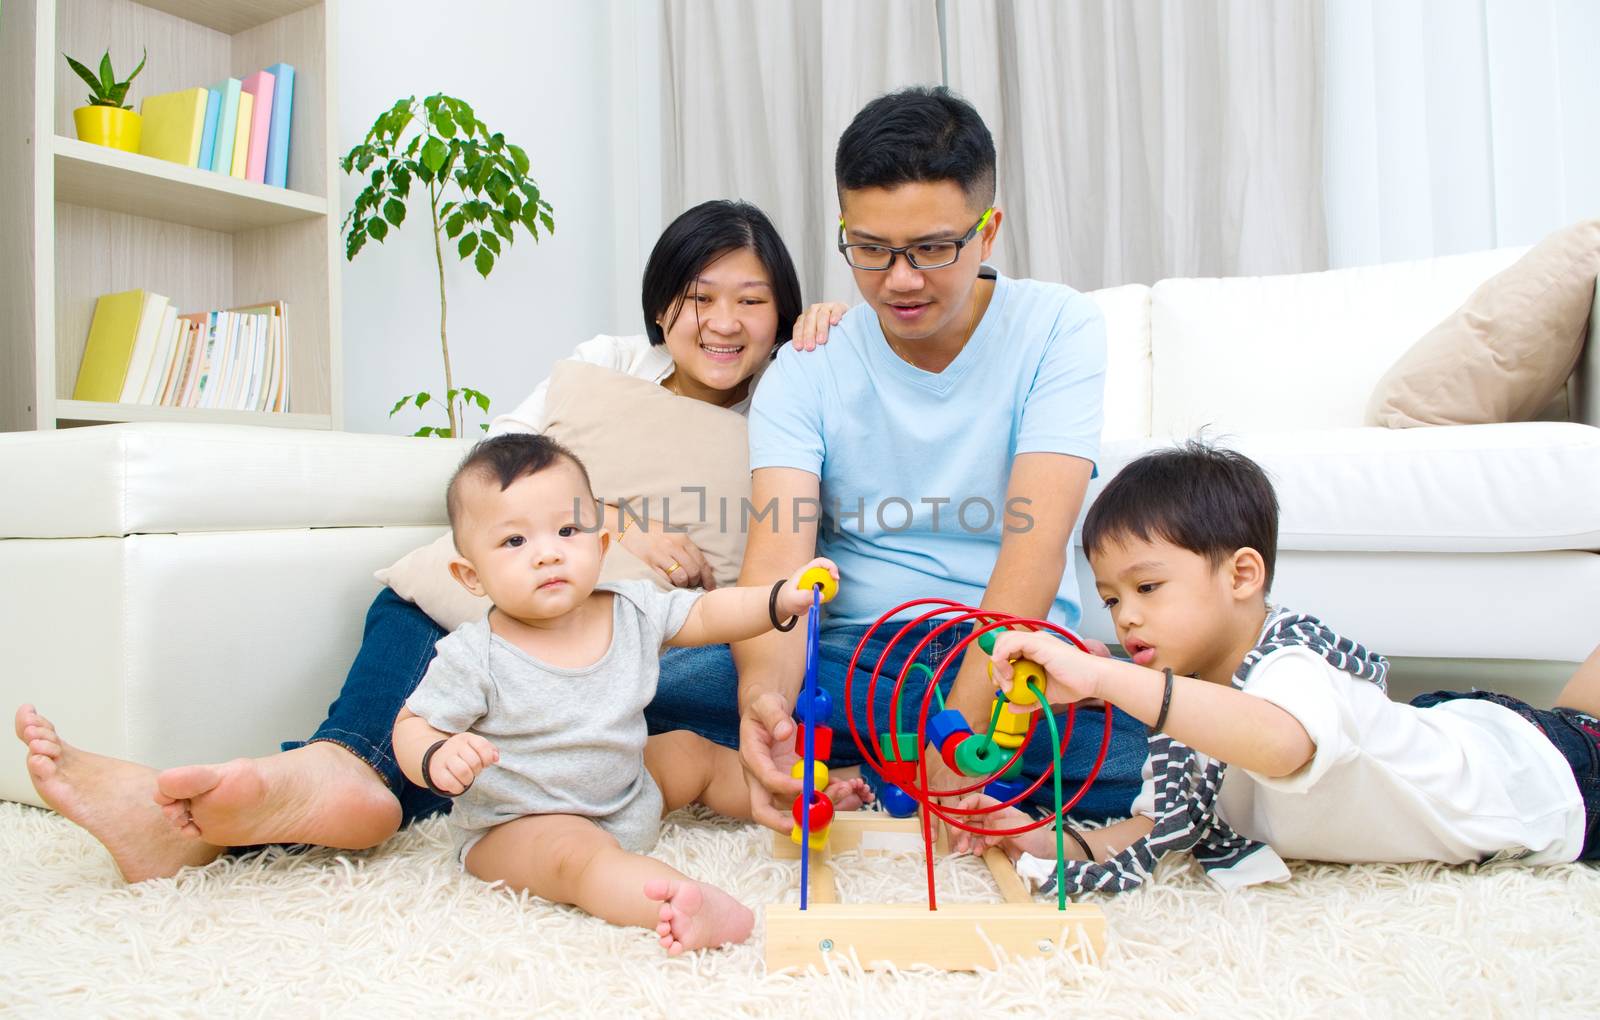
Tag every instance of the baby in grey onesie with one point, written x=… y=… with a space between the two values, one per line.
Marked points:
x=571 y=741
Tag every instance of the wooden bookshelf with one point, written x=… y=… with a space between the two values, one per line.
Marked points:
x=93 y=220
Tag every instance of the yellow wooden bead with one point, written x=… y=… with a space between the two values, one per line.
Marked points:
x=1023 y=673
x=816 y=576
x=819 y=779
x=819 y=837
x=1011 y=728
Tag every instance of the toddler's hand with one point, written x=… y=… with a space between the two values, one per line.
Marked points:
x=1069 y=672
x=458 y=762
x=796 y=601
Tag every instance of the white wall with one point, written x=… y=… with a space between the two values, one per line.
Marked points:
x=540 y=72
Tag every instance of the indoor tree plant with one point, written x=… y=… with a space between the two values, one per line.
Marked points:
x=107 y=120
x=440 y=145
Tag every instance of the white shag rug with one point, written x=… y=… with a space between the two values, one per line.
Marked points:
x=399 y=932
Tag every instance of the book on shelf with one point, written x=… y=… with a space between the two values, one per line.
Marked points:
x=260 y=86
x=142 y=351
x=278 y=133
x=173 y=126
x=113 y=334
x=241 y=137
x=208 y=134
x=227 y=92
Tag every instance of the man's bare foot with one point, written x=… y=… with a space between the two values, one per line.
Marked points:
x=110 y=799
x=695 y=915
x=319 y=794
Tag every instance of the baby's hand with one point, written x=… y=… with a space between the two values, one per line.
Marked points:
x=459 y=760
x=794 y=600
x=1069 y=672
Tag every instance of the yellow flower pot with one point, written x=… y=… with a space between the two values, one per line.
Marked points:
x=108 y=125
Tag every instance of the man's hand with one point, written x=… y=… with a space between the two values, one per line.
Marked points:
x=765 y=749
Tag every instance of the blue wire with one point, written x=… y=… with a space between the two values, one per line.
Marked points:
x=807 y=786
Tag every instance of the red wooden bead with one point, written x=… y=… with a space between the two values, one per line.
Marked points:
x=821 y=811
x=948 y=751
x=824 y=741
x=901 y=773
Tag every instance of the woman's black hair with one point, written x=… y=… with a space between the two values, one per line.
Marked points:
x=698 y=238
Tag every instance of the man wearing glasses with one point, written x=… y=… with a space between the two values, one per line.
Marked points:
x=938 y=445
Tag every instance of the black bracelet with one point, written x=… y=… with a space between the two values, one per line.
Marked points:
x=772 y=609
x=1077 y=838
x=1166 y=702
x=427 y=778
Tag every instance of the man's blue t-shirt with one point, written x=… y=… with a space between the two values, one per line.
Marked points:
x=913 y=465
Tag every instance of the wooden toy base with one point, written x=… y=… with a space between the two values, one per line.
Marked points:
x=957 y=936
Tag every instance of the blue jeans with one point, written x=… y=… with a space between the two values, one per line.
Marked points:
x=698 y=691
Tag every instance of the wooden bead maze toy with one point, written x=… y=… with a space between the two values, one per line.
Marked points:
x=953 y=936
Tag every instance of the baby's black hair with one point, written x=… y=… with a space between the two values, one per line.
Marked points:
x=507 y=458
x=1207 y=500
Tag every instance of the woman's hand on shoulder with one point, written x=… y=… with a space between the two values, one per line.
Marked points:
x=811 y=329
x=671 y=555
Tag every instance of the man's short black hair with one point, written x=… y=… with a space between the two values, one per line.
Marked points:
x=505 y=459
x=701 y=236
x=913 y=135
x=1209 y=501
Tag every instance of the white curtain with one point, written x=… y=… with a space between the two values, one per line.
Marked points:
x=1458 y=125
x=1147 y=139
x=754 y=97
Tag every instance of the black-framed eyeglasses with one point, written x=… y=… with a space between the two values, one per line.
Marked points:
x=877 y=258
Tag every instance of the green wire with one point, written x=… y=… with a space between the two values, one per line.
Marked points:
x=994 y=717
x=1061 y=851
x=898 y=728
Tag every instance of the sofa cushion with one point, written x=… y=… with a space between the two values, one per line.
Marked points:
x=1506 y=353
x=1127 y=398
x=657 y=454
x=1522 y=487
x=1283 y=353
x=154 y=478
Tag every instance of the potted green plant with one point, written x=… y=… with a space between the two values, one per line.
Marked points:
x=441 y=145
x=106 y=120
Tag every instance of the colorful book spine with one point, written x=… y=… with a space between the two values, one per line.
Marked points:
x=241 y=137
x=260 y=86
x=213 y=104
x=282 y=114
x=227 y=124
x=112 y=335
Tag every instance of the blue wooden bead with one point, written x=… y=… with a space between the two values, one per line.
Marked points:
x=896 y=801
x=946 y=725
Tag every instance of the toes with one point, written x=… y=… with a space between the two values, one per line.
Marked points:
x=24 y=717
x=187 y=781
x=658 y=889
x=42 y=745
x=41 y=767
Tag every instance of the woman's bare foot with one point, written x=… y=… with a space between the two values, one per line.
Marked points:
x=695 y=915
x=319 y=794
x=109 y=798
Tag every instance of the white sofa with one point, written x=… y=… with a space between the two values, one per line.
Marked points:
x=172 y=593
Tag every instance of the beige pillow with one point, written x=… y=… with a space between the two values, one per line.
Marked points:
x=1507 y=353
x=639 y=443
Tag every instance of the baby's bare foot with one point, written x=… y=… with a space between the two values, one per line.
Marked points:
x=849 y=794
x=319 y=794
x=110 y=799
x=695 y=915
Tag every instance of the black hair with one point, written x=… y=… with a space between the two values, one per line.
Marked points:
x=917 y=134
x=1207 y=500
x=698 y=238
x=507 y=458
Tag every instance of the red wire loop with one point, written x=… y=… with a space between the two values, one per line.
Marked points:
x=919 y=790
